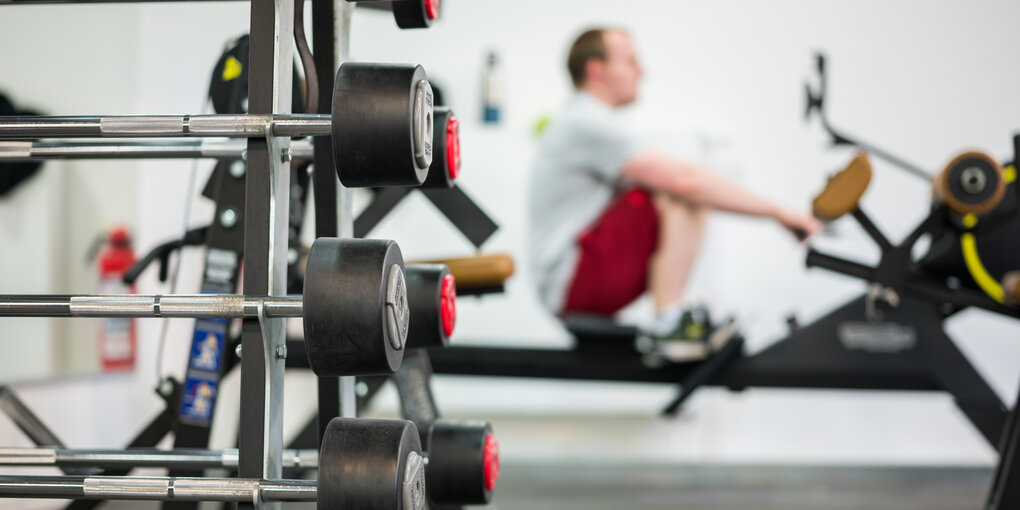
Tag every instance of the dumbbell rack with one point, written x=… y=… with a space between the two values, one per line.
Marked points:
x=267 y=195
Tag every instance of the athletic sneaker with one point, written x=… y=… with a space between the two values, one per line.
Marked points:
x=694 y=339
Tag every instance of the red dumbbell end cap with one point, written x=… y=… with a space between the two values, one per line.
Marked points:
x=490 y=460
x=448 y=304
x=432 y=9
x=453 y=147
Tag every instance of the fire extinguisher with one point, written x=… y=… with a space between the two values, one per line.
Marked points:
x=117 y=336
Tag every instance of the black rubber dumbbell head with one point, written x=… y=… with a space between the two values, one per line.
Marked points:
x=355 y=307
x=415 y=13
x=370 y=464
x=382 y=125
x=463 y=462
x=432 y=298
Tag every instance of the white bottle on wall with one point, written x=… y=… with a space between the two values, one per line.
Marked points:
x=491 y=93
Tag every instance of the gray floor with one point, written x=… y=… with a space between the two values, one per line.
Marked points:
x=699 y=487
x=738 y=487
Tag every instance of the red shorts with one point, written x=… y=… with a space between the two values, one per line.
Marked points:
x=615 y=251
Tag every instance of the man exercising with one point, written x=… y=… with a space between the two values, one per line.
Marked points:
x=610 y=220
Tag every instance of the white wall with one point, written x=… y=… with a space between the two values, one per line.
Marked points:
x=49 y=223
x=723 y=86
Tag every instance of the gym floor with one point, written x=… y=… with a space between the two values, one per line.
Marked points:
x=607 y=461
x=548 y=486
x=718 y=487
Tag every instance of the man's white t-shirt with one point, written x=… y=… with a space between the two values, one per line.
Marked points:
x=574 y=177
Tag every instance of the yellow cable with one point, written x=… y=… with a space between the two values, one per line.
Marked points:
x=977 y=269
x=1009 y=174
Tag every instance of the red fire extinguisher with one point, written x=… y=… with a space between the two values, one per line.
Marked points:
x=117 y=336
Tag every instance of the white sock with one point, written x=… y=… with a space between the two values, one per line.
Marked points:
x=667 y=318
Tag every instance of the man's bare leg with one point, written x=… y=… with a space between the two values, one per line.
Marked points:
x=681 y=232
